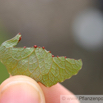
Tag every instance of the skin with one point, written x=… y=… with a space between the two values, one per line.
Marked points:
x=23 y=89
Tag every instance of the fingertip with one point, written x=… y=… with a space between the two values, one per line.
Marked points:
x=21 y=89
x=53 y=94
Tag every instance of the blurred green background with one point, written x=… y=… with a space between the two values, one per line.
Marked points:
x=3 y=71
x=72 y=28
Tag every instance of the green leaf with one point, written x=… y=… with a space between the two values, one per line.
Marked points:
x=37 y=63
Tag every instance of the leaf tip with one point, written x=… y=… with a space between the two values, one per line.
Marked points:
x=20 y=38
x=19 y=33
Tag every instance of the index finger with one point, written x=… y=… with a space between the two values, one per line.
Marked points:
x=52 y=94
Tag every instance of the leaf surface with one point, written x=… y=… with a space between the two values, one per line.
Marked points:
x=37 y=63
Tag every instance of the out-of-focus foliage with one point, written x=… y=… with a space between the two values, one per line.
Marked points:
x=3 y=71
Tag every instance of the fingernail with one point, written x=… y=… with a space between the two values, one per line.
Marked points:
x=21 y=91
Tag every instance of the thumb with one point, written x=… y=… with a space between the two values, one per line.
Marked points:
x=21 y=89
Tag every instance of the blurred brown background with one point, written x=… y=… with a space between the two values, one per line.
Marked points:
x=72 y=28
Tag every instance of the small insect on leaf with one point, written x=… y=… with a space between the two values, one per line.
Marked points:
x=35 y=46
x=43 y=47
x=37 y=63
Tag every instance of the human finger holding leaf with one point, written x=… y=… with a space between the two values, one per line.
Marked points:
x=37 y=63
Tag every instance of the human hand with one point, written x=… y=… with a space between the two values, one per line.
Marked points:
x=23 y=89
